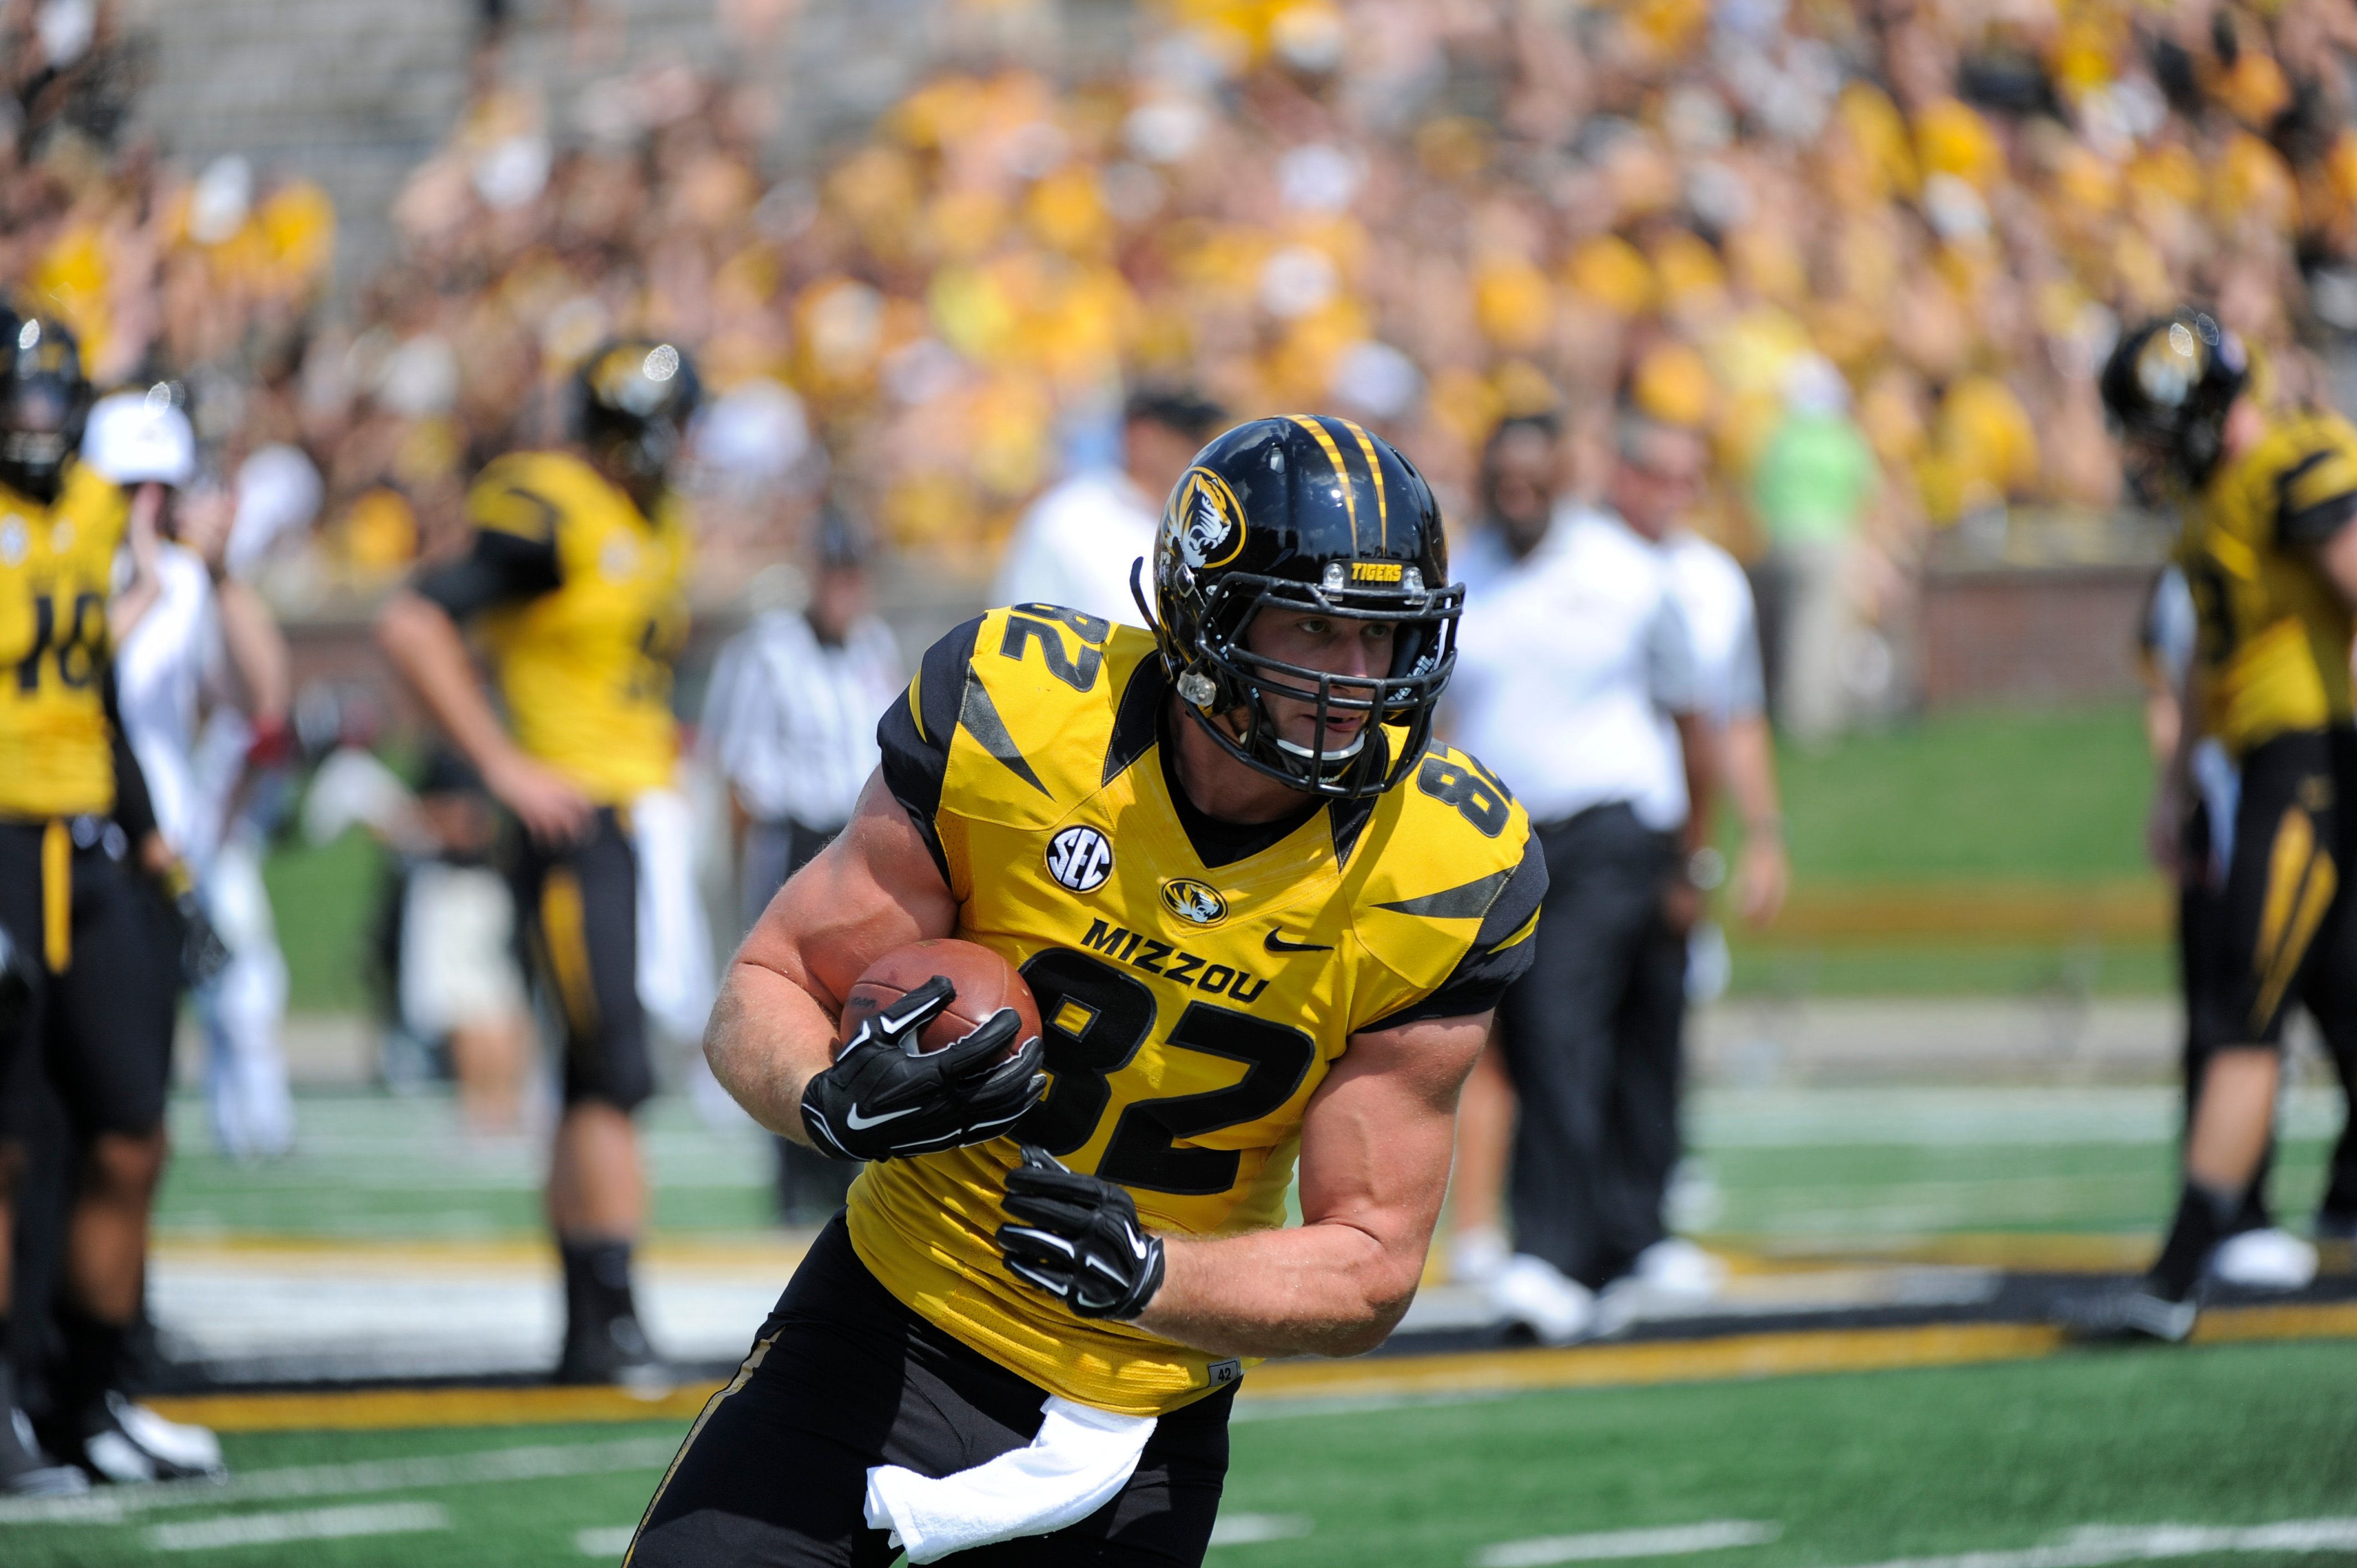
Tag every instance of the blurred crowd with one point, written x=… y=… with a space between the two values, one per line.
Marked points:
x=1919 y=224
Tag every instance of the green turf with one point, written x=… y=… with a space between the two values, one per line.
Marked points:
x=1997 y=794
x=1852 y=1469
x=1916 y=969
x=325 y=901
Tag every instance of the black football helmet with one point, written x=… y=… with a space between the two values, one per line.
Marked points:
x=1306 y=511
x=631 y=402
x=43 y=401
x=2171 y=382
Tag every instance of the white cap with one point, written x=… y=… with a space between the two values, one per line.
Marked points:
x=136 y=438
x=278 y=494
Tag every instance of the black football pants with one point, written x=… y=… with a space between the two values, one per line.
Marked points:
x=843 y=1376
x=1592 y=1037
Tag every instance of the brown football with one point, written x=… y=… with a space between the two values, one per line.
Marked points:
x=985 y=982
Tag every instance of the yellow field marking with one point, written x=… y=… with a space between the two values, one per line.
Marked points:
x=1687 y=1362
x=1744 y=1356
x=385 y=1410
x=2099 y=1253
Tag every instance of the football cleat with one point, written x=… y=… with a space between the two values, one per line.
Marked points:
x=2265 y=1260
x=26 y=1470
x=613 y=1350
x=1535 y=1293
x=1476 y=1254
x=2126 y=1312
x=128 y=1443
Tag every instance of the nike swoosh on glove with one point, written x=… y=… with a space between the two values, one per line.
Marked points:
x=1079 y=1238
x=884 y=1099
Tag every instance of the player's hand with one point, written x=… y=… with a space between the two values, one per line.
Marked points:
x=1761 y=877
x=1077 y=1237
x=203 y=955
x=544 y=801
x=882 y=1099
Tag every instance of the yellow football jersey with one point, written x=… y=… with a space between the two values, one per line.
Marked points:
x=2274 y=646
x=585 y=667
x=1190 y=1006
x=57 y=564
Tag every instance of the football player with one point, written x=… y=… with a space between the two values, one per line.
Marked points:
x=2266 y=502
x=1265 y=919
x=96 y=1014
x=575 y=579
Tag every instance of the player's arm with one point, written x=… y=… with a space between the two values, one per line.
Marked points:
x=1375 y=1146
x=873 y=889
x=418 y=630
x=884 y=882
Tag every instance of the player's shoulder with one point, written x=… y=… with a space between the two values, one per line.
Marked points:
x=2298 y=483
x=1025 y=708
x=1443 y=842
x=534 y=494
x=89 y=497
x=1448 y=863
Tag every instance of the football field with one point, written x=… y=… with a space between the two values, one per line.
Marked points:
x=2240 y=1453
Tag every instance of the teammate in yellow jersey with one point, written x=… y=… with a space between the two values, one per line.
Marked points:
x=2266 y=501
x=88 y=991
x=1266 y=920
x=576 y=583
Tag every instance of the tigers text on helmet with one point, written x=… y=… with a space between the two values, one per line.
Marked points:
x=631 y=402
x=2171 y=382
x=1305 y=512
x=43 y=400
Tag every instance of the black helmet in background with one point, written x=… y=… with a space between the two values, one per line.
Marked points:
x=2168 y=384
x=43 y=401
x=1305 y=512
x=631 y=402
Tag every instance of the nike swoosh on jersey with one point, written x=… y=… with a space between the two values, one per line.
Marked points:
x=1276 y=943
x=861 y=1123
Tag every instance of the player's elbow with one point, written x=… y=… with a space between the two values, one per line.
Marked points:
x=404 y=620
x=1384 y=1286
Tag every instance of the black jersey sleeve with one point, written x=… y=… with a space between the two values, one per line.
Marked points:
x=914 y=733
x=499 y=568
x=2317 y=496
x=1500 y=951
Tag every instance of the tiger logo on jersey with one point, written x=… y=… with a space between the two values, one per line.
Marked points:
x=1192 y=900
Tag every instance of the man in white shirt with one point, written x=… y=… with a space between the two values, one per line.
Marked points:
x=1076 y=545
x=1576 y=680
x=790 y=721
x=202 y=681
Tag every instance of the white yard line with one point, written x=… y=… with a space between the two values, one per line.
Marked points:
x=306 y=1524
x=1673 y=1541
x=1247 y=1528
x=608 y=1541
x=2092 y=1546
x=542 y=1462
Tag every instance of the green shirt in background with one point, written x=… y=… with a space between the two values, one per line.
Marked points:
x=1814 y=480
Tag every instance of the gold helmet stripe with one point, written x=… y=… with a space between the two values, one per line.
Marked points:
x=1374 y=478
x=1317 y=427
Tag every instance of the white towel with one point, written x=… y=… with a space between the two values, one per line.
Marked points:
x=675 y=972
x=1080 y=1458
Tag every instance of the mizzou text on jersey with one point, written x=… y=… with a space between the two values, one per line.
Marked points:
x=56 y=566
x=2273 y=650
x=1191 y=1006
x=584 y=664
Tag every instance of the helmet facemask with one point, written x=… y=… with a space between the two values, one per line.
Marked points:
x=1229 y=677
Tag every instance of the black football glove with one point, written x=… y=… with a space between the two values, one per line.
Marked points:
x=881 y=1098
x=203 y=955
x=1079 y=1238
